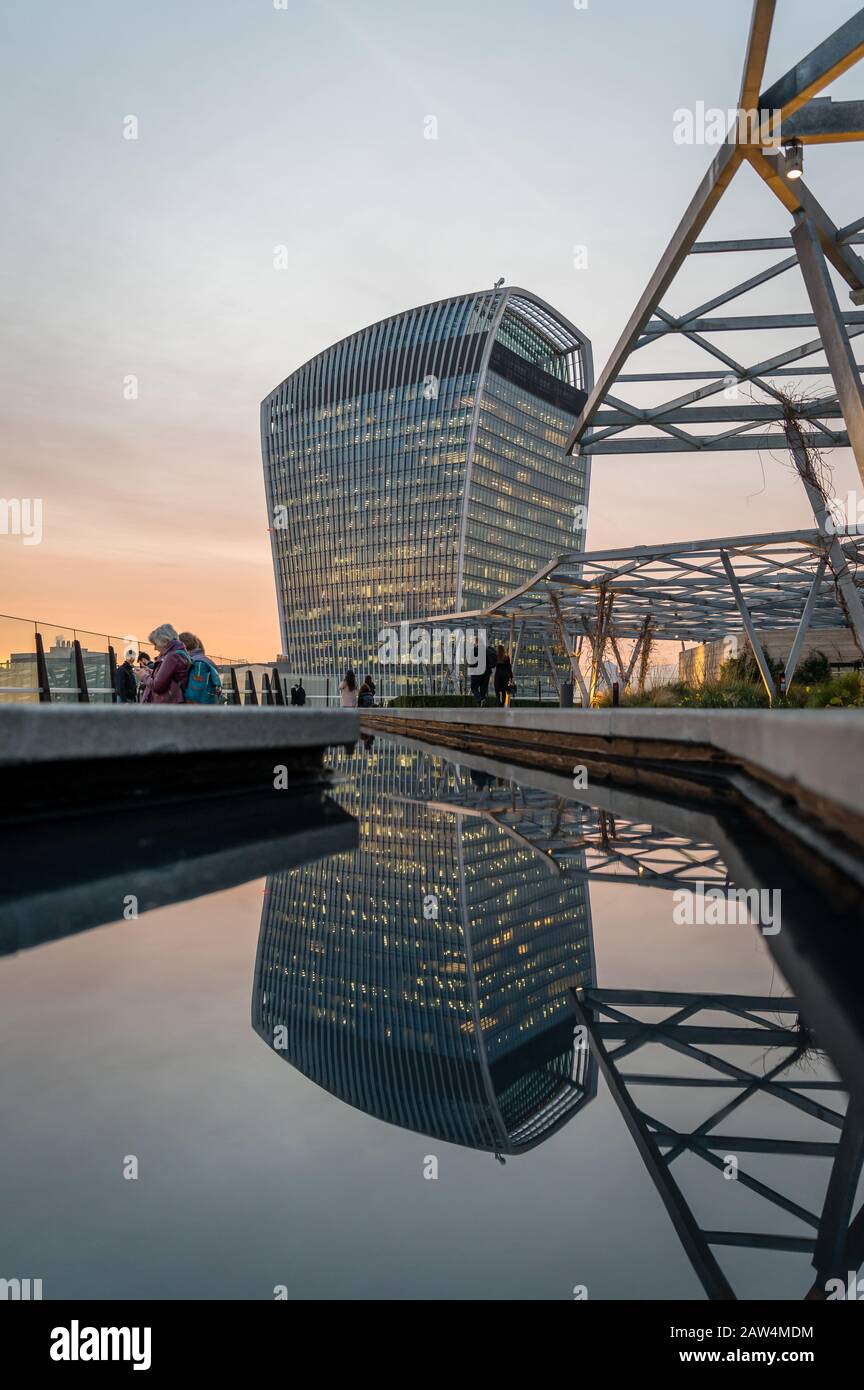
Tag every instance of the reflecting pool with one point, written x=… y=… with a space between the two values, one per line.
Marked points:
x=460 y=1042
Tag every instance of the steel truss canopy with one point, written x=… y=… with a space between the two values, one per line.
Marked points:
x=701 y=590
x=684 y=589
x=741 y=404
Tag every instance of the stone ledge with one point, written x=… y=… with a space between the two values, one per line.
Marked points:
x=34 y=734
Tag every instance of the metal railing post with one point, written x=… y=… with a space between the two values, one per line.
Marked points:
x=42 y=672
x=112 y=673
x=80 y=674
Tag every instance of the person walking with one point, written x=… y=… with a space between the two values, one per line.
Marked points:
x=204 y=683
x=168 y=677
x=125 y=683
x=503 y=676
x=348 y=690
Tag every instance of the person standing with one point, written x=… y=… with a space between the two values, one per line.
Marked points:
x=480 y=683
x=143 y=673
x=165 y=686
x=503 y=675
x=125 y=684
x=348 y=690
x=204 y=683
x=301 y=693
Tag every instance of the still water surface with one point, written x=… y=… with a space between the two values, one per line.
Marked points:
x=290 y=1061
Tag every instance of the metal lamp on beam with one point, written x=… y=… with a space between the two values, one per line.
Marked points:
x=794 y=156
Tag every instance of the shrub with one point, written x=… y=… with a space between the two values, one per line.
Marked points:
x=846 y=691
x=743 y=670
x=432 y=702
x=460 y=702
x=813 y=670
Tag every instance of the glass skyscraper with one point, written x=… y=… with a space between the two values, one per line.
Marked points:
x=426 y=978
x=418 y=466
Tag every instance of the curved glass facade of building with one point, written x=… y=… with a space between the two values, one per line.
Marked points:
x=426 y=977
x=418 y=466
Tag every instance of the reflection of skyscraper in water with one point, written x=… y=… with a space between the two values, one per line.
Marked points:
x=425 y=978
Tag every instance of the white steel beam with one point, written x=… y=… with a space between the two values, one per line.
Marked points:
x=796 y=197
x=826 y=122
x=752 y=636
x=723 y=169
x=848 y=593
x=803 y=626
x=832 y=331
x=840 y=51
x=761 y=20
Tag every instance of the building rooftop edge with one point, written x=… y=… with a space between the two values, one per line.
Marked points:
x=506 y=291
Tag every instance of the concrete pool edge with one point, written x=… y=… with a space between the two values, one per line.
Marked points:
x=71 y=759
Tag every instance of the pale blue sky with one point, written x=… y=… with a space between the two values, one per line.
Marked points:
x=304 y=127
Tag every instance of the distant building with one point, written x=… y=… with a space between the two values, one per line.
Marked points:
x=20 y=673
x=703 y=662
x=426 y=978
x=418 y=466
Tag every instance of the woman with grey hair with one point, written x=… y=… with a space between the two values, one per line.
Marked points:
x=165 y=686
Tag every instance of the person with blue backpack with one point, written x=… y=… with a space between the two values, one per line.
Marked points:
x=203 y=684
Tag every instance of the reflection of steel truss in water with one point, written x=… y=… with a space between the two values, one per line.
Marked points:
x=833 y=1240
x=588 y=842
x=600 y=845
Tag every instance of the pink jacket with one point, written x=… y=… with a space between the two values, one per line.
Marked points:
x=165 y=686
